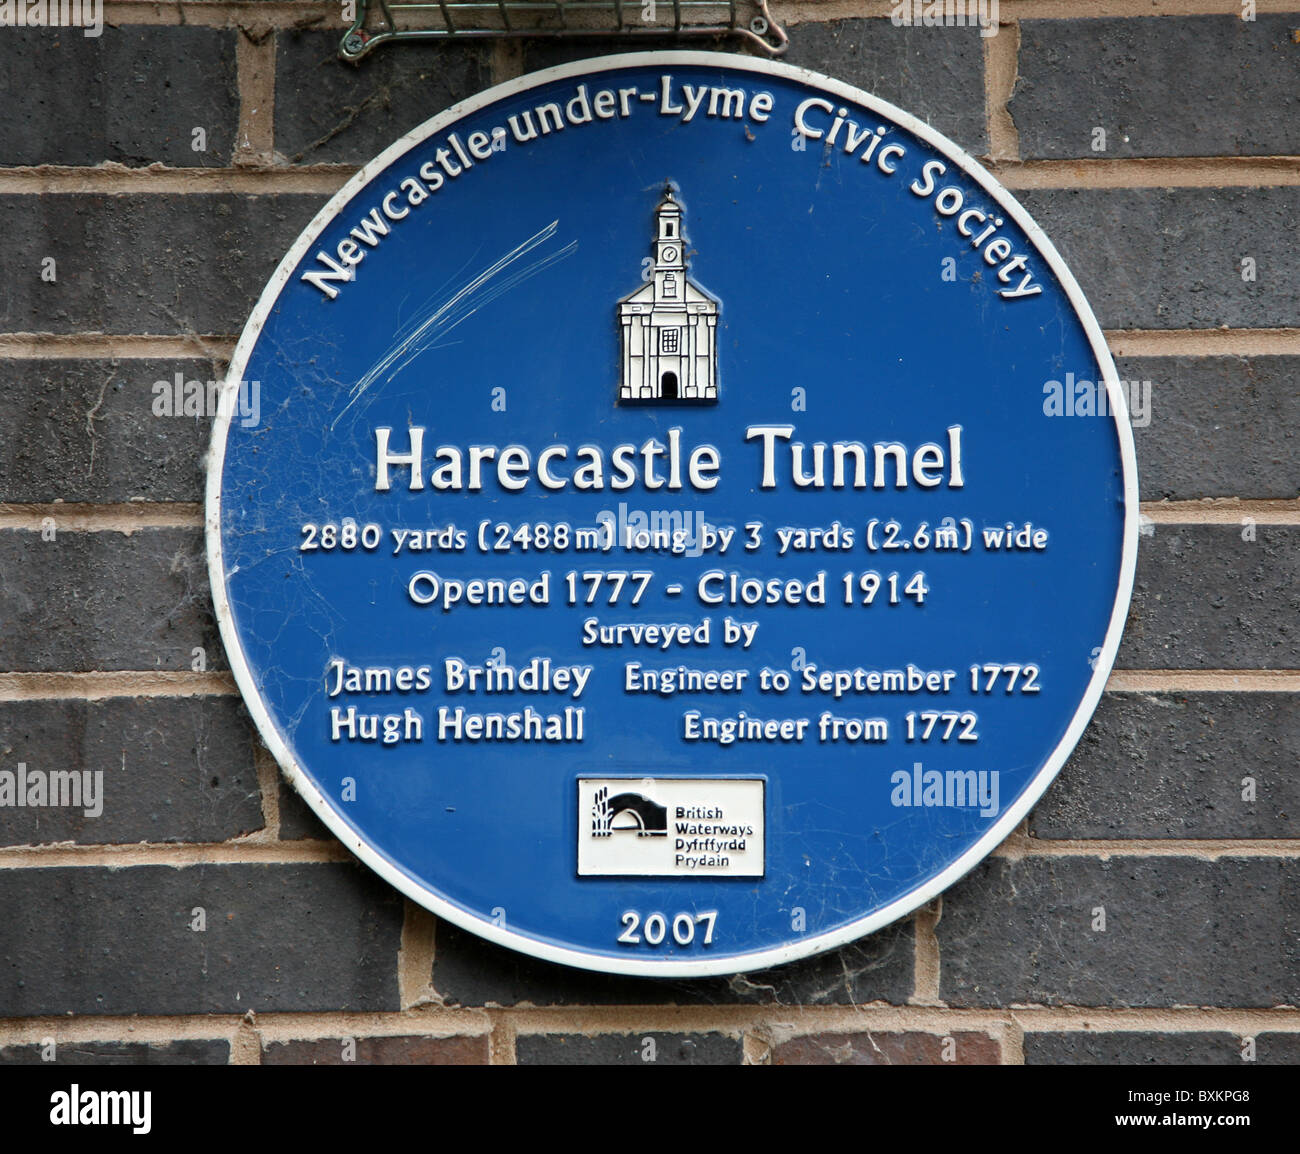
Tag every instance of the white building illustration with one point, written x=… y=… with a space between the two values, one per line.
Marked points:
x=669 y=326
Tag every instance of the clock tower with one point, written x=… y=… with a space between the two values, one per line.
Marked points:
x=670 y=267
x=669 y=325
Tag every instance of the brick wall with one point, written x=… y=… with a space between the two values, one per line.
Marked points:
x=111 y=661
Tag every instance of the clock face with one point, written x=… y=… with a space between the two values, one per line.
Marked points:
x=670 y=253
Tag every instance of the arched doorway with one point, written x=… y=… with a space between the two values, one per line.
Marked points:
x=668 y=386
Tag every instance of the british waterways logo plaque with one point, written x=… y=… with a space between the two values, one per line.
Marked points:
x=658 y=551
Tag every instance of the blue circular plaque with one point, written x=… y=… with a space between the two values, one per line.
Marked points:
x=672 y=514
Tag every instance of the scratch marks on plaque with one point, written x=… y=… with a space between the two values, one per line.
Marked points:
x=440 y=316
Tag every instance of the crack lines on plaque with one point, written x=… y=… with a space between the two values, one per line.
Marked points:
x=438 y=317
x=860 y=874
x=288 y=723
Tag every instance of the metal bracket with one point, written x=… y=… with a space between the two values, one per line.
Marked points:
x=748 y=20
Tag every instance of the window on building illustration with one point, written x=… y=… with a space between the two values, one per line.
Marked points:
x=670 y=285
x=669 y=341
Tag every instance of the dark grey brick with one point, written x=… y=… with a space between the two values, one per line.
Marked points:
x=937 y=74
x=105 y=600
x=78 y=430
x=1162 y=86
x=132 y=96
x=1170 y=765
x=297 y=821
x=1151 y=258
x=188 y=1052
x=536 y=54
x=1218 y=426
x=1179 y=931
x=1132 y=1048
x=472 y=972
x=1141 y=1047
x=328 y=111
x=174 y=768
x=90 y=940
x=144 y=263
x=1207 y=598
x=1278 y=1049
x=644 y=1049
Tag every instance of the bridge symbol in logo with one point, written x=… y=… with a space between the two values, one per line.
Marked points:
x=625 y=813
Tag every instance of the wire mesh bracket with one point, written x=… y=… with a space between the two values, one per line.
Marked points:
x=396 y=20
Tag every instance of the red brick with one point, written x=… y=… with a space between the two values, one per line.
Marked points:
x=398 y=1050
x=873 y=1048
